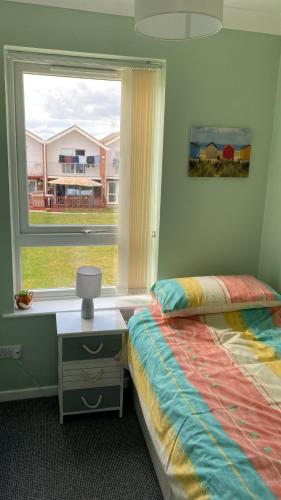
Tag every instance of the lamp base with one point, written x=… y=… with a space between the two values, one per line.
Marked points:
x=87 y=309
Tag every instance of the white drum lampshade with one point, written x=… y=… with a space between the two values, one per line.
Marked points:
x=88 y=286
x=178 y=19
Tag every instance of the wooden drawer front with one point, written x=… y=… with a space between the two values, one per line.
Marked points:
x=95 y=399
x=91 y=347
x=77 y=376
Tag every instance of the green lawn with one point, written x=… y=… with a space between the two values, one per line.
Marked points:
x=100 y=216
x=55 y=267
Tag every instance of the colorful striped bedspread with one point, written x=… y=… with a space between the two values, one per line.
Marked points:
x=210 y=389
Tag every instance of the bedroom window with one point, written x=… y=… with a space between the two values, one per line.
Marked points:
x=80 y=216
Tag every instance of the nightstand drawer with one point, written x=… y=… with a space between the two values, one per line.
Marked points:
x=77 y=376
x=91 y=347
x=91 y=399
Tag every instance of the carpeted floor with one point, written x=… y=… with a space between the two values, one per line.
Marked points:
x=95 y=457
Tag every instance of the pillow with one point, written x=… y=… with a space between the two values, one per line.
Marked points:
x=212 y=294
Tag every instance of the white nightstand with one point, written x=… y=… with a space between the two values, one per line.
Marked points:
x=90 y=378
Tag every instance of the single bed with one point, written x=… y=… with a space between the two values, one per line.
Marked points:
x=208 y=397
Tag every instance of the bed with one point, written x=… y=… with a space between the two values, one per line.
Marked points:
x=208 y=397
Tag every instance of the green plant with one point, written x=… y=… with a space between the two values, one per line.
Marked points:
x=23 y=292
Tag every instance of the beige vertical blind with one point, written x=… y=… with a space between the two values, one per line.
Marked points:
x=138 y=130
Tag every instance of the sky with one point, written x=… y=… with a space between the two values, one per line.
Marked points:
x=219 y=135
x=53 y=104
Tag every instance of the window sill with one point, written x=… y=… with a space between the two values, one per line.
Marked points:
x=46 y=307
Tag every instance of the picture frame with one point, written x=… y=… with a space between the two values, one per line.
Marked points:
x=219 y=152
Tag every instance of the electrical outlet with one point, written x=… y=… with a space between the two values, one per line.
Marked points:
x=10 y=351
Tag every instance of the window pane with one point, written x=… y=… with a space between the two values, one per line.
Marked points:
x=69 y=120
x=112 y=187
x=55 y=267
x=31 y=186
x=67 y=151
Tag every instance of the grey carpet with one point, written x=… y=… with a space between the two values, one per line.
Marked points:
x=95 y=457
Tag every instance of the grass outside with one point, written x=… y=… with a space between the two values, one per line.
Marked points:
x=55 y=267
x=100 y=216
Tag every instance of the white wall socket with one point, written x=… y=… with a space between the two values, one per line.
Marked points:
x=10 y=351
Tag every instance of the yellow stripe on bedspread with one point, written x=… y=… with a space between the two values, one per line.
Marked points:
x=265 y=354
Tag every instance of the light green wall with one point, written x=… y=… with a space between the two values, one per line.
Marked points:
x=208 y=226
x=270 y=255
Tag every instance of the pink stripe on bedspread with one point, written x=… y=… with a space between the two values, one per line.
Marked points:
x=246 y=288
x=232 y=398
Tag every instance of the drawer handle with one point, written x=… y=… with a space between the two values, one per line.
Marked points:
x=88 y=405
x=90 y=351
x=92 y=378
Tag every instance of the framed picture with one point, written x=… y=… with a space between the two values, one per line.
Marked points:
x=219 y=152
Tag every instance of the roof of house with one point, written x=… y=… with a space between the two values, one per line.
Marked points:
x=75 y=128
x=108 y=139
x=34 y=136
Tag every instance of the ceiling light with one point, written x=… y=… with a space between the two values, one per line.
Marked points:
x=178 y=19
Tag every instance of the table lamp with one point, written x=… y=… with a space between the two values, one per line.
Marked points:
x=88 y=286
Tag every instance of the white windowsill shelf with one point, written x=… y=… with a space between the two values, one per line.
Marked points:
x=46 y=307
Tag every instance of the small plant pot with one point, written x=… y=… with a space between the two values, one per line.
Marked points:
x=24 y=301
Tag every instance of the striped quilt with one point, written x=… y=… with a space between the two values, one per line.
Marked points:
x=211 y=396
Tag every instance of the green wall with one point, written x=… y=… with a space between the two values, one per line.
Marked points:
x=208 y=226
x=270 y=255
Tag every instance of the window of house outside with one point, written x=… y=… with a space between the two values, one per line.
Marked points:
x=112 y=192
x=32 y=186
x=68 y=151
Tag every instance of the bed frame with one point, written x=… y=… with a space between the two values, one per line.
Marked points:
x=161 y=476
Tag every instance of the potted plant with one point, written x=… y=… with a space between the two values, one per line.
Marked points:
x=23 y=298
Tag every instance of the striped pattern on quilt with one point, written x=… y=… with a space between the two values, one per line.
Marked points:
x=212 y=294
x=210 y=391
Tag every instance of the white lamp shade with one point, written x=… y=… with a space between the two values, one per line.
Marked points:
x=178 y=19
x=88 y=282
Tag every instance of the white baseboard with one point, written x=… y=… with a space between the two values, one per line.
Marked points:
x=29 y=393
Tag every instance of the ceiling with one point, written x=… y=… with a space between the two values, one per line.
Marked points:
x=262 y=16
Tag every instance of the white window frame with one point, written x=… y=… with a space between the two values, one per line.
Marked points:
x=23 y=235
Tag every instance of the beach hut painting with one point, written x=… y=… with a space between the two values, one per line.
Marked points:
x=219 y=152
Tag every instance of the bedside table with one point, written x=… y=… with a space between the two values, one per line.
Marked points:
x=90 y=378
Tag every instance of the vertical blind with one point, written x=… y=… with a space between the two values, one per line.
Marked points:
x=140 y=88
